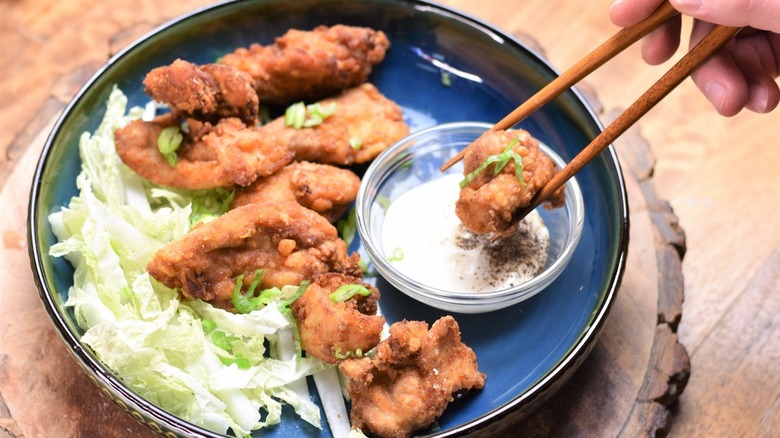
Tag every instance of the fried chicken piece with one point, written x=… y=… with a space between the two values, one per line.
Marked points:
x=332 y=330
x=411 y=379
x=363 y=124
x=222 y=155
x=207 y=92
x=326 y=189
x=310 y=65
x=288 y=242
x=487 y=203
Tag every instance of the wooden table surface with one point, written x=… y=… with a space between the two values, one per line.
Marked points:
x=720 y=175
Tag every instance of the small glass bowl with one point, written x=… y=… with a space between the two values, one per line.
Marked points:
x=415 y=160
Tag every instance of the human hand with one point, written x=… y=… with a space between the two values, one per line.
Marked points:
x=743 y=73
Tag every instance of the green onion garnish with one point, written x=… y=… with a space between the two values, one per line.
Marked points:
x=347 y=226
x=284 y=307
x=347 y=291
x=383 y=201
x=341 y=356
x=206 y=207
x=247 y=302
x=446 y=80
x=239 y=360
x=397 y=255
x=208 y=325
x=168 y=142
x=500 y=161
x=296 y=114
x=355 y=143
x=222 y=340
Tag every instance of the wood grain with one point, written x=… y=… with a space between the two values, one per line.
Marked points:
x=704 y=162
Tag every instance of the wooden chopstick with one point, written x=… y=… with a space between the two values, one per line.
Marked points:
x=595 y=59
x=719 y=36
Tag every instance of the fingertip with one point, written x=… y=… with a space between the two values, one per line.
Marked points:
x=725 y=98
x=662 y=43
x=625 y=13
x=617 y=15
x=724 y=85
x=763 y=97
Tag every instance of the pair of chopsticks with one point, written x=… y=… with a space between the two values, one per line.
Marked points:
x=719 y=36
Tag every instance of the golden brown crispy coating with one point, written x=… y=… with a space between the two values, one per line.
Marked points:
x=487 y=204
x=362 y=115
x=310 y=65
x=411 y=378
x=289 y=242
x=326 y=189
x=207 y=92
x=332 y=330
x=224 y=155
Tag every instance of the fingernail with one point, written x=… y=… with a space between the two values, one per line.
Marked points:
x=688 y=5
x=716 y=93
x=758 y=99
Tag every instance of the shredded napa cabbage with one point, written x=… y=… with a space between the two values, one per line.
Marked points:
x=140 y=329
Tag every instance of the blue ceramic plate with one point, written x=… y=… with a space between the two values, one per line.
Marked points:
x=443 y=66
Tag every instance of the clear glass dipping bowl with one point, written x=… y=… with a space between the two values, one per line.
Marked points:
x=415 y=160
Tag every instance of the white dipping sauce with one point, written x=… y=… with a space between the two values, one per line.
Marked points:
x=423 y=238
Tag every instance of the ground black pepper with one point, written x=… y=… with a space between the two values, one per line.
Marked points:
x=523 y=254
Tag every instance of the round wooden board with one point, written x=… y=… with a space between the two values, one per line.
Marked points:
x=636 y=370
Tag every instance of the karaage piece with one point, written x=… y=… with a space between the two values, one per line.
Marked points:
x=363 y=124
x=310 y=65
x=335 y=321
x=487 y=203
x=207 y=92
x=288 y=242
x=326 y=189
x=411 y=379
x=227 y=154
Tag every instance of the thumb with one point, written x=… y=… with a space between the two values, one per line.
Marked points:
x=759 y=14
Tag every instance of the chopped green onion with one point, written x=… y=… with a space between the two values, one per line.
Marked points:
x=285 y=302
x=296 y=114
x=239 y=360
x=500 y=161
x=383 y=201
x=205 y=207
x=341 y=356
x=397 y=255
x=318 y=113
x=355 y=143
x=168 y=142
x=284 y=307
x=222 y=340
x=247 y=302
x=446 y=80
x=347 y=291
x=347 y=226
x=208 y=325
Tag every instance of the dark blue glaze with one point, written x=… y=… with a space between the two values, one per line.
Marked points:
x=527 y=350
